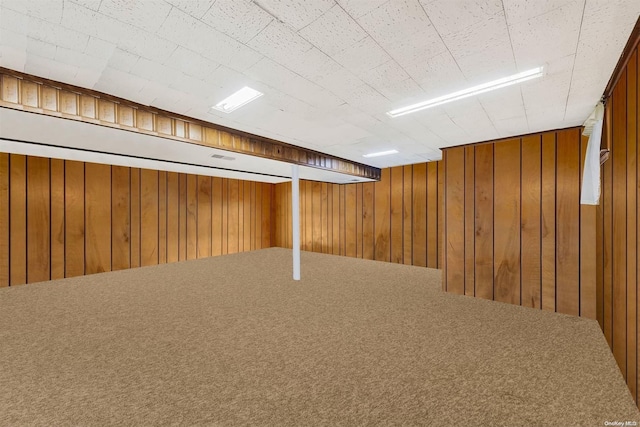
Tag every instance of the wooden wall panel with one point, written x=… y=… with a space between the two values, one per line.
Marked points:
x=616 y=286
x=382 y=217
x=57 y=218
x=97 y=214
x=4 y=220
x=120 y=218
x=506 y=211
x=18 y=219
x=407 y=216
x=135 y=217
x=350 y=220
x=192 y=217
x=148 y=217
x=173 y=226
x=396 y=232
x=162 y=217
x=386 y=220
x=530 y=243
x=531 y=239
x=216 y=216
x=434 y=213
x=368 y=225
x=484 y=221
x=74 y=218
x=420 y=221
x=568 y=221
x=548 y=209
x=233 y=217
x=65 y=218
x=204 y=216
x=454 y=220
x=469 y=221
x=38 y=220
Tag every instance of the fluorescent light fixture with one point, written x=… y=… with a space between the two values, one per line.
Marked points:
x=237 y=100
x=472 y=91
x=380 y=153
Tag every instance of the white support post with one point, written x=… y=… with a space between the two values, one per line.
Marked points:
x=295 y=223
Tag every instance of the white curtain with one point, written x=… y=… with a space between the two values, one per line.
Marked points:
x=590 y=194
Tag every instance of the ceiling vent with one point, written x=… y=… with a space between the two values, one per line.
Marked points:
x=221 y=157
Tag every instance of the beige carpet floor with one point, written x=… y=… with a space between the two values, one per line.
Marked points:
x=233 y=341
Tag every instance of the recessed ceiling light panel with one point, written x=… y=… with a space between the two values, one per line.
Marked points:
x=472 y=91
x=237 y=100
x=380 y=153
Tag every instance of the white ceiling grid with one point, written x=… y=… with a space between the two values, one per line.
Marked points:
x=330 y=69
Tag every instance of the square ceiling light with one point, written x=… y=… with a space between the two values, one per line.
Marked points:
x=237 y=100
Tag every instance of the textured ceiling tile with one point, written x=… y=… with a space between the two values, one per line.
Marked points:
x=282 y=79
x=11 y=20
x=393 y=82
x=78 y=59
x=13 y=53
x=362 y=56
x=455 y=16
x=313 y=65
x=55 y=34
x=182 y=28
x=437 y=75
x=87 y=77
x=517 y=10
x=46 y=10
x=240 y=19
x=195 y=8
x=561 y=27
x=512 y=126
x=279 y=43
x=146 y=45
x=90 y=22
x=50 y=69
x=395 y=22
x=90 y=4
x=148 y=14
x=333 y=32
x=357 y=8
x=99 y=48
x=122 y=61
x=296 y=13
x=40 y=48
x=191 y=63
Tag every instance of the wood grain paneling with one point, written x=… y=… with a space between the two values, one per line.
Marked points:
x=149 y=217
x=74 y=218
x=18 y=219
x=38 y=220
x=56 y=185
x=454 y=219
x=135 y=203
x=120 y=218
x=616 y=286
x=506 y=213
x=531 y=237
x=397 y=234
x=529 y=244
x=62 y=218
x=386 y=220
x=483 y=249
x=97 y=218
x=4 y=220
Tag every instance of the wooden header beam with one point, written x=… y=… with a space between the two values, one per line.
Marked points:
x=25 y=92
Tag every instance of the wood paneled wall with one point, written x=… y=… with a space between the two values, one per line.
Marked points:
x=63 y=218
x=617 y=227
x=398 y=219
x=515 y=231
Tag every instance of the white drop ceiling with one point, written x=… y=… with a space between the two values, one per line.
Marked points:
x=331 y=69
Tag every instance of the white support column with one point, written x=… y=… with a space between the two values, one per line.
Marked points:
x=295 y=223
